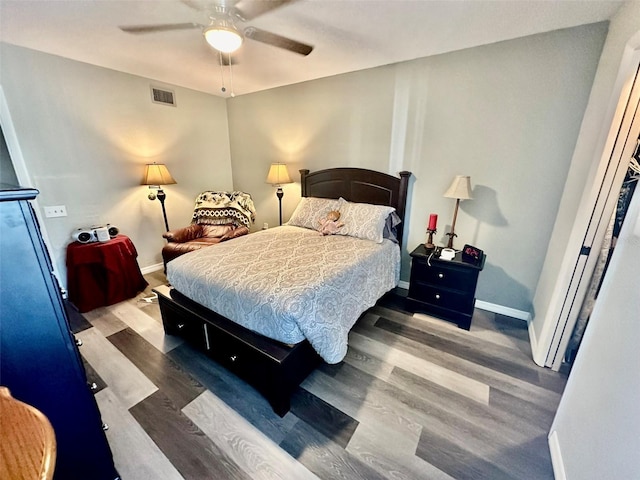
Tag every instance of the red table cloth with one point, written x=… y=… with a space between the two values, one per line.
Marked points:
x=103 y=273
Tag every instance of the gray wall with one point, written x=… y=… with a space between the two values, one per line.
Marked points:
x=86 y=133
x=7 y=172
x=507 y=114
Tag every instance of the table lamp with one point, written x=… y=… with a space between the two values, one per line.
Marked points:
x=460 y=189
x=156 y=175
x=278 y=176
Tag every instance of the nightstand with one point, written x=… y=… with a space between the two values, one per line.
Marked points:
x=443 y=288
x=103 y=273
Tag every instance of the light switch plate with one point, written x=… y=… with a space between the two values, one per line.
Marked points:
x=55 y=211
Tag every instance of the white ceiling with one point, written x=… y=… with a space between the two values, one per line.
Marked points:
x=348 y=35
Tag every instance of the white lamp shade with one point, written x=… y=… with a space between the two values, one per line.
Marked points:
x=224 y=39
x=460 y=188
x=278 y=175
x=157 y=174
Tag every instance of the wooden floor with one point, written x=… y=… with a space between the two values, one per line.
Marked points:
x=415 y=398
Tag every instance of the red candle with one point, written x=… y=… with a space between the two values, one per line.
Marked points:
x=433 y=220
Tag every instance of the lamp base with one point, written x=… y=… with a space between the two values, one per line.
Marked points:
x=161 y=196
x=429 y=243
x=280 y=194
x=451 y=235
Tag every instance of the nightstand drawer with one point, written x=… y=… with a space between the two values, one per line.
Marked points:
x=444 y=276
x=442 y=297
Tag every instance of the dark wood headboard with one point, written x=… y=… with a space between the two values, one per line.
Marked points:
x=359 y=185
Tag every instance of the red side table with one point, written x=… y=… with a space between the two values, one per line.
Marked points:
x=103 y=273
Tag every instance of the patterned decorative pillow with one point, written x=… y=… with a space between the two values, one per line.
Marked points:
x=311 y=210
x=363 y=220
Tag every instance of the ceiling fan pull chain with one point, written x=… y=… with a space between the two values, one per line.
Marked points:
x=222 y=73
x=231 y=76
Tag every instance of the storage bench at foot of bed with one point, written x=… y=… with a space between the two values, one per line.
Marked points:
x=273 y=368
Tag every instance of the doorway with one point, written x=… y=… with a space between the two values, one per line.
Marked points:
x=593 y=219
x=604 y=256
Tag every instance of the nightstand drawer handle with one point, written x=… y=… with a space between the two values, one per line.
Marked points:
x=441 y=275
x=437 y=296
x=233 y=358
x=180 y=326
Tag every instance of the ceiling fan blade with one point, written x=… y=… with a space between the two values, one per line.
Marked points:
x=279 y=41
x=158 y=27
x=192 y=4
x=254 y=9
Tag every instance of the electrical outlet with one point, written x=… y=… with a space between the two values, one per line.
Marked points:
x=55 y=211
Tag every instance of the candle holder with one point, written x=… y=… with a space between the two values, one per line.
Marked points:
x=429 y=245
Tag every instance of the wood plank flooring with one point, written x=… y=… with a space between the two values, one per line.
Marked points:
x=415 y=398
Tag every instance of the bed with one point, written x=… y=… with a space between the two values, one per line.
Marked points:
x=302 y=316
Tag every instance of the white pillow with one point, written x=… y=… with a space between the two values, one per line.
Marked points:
x=311 y=210
x=363 y=220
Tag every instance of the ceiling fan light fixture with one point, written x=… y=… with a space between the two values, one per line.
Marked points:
x=223 y=38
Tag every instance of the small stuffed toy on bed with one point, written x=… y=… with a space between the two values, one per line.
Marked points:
x=330 y=225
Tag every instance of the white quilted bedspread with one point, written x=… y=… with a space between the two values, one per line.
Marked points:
x=291 y=283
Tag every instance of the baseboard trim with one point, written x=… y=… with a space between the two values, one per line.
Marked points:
x=556 y=457
x=403 y=284
x=502 y=310
x=152 y=268
x=535 y=352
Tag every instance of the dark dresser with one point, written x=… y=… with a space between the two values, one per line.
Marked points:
x=39 y=359
x=443 y=288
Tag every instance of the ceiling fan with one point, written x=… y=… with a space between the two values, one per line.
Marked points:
x=223 y=32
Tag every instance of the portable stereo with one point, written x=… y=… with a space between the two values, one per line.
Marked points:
x=96 y=233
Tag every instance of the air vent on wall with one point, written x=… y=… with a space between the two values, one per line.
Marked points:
x=163 y=96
